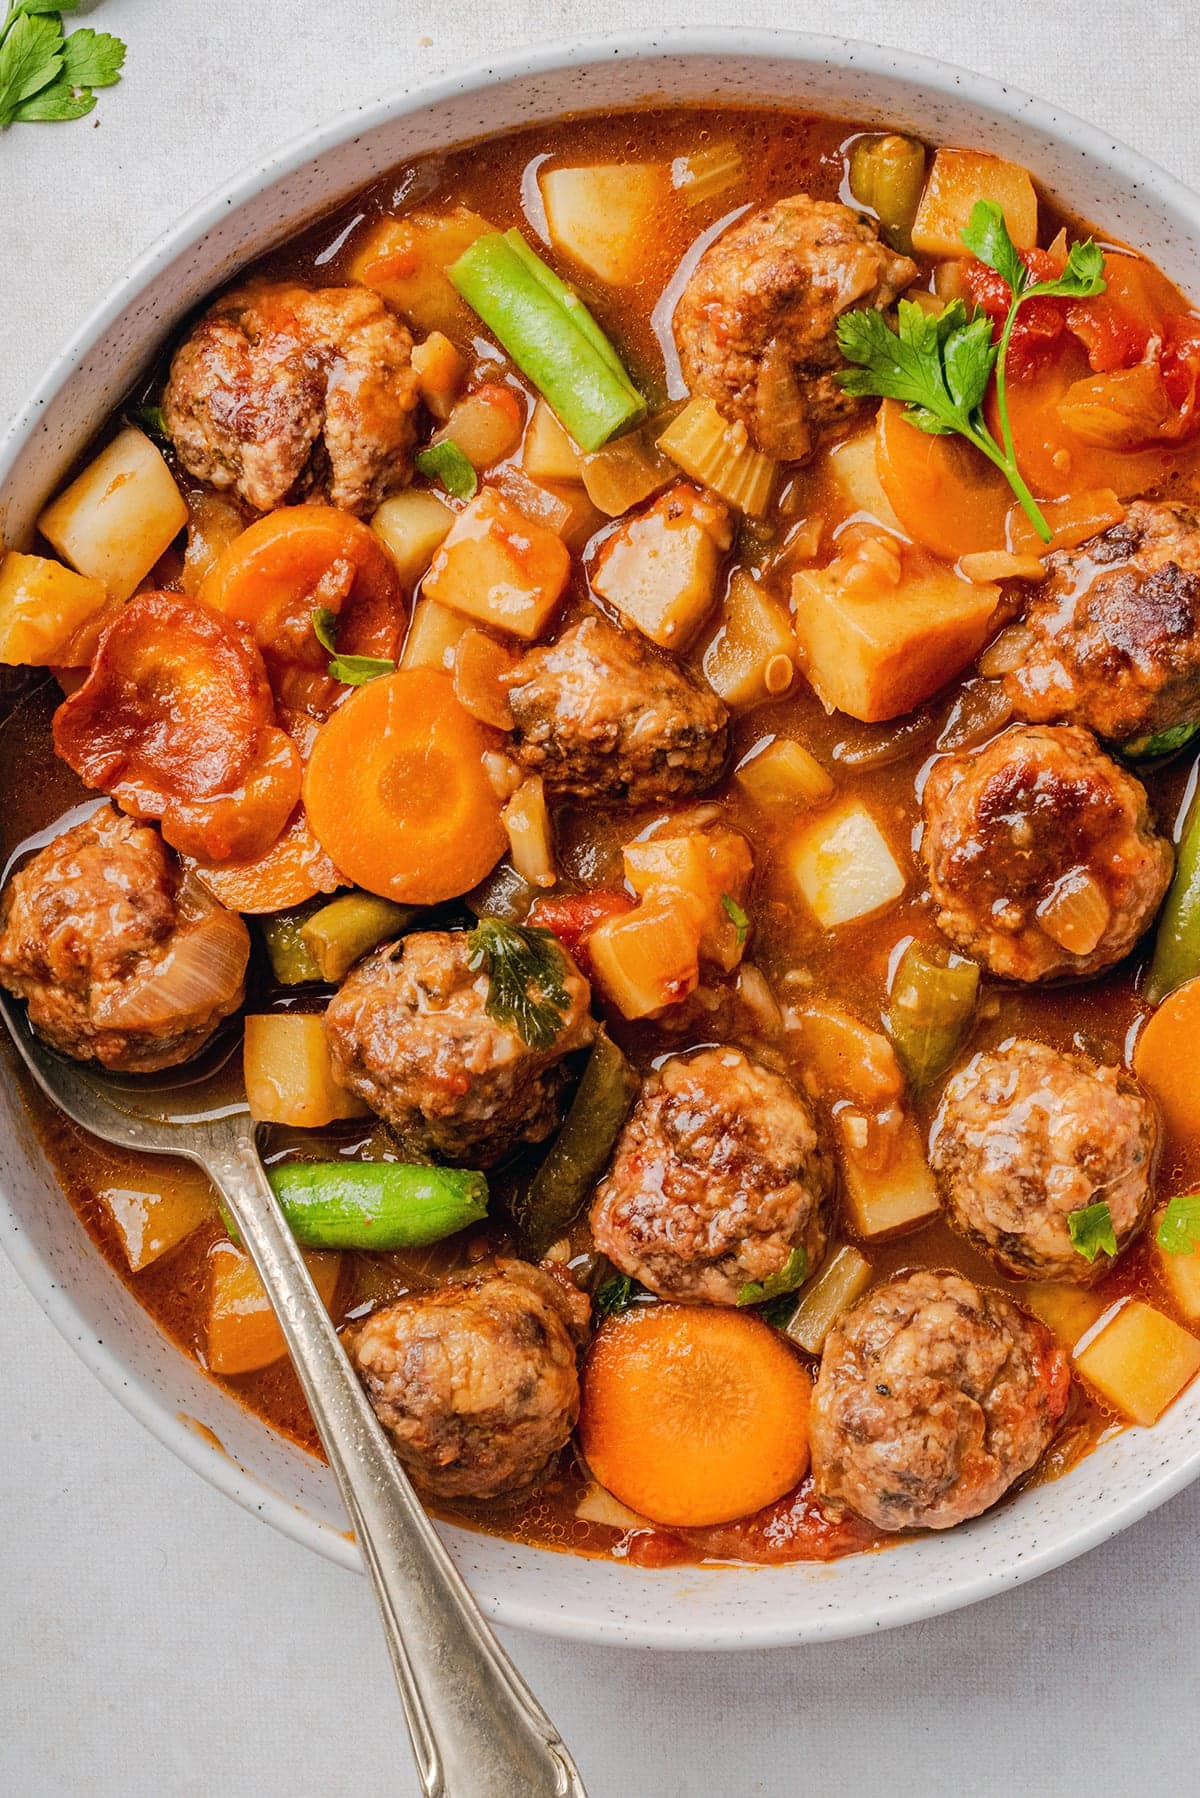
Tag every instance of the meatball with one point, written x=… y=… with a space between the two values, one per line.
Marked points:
x=410 y=1033
x=755 y=325
x=934 y=1395
x=476 y=1382
x=284 y=391
x=1113 y=632
x=718 y=1176
x=600 y=716
x=1024 y=1136
x=120 y=959
x=1042 y=854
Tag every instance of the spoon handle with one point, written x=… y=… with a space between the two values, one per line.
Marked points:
x=477 y=1730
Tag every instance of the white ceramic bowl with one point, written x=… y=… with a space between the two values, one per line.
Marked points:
x=559 y=1594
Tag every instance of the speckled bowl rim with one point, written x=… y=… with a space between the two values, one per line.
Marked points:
x=906 y=1601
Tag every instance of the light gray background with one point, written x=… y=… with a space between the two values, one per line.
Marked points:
x=155 y=1642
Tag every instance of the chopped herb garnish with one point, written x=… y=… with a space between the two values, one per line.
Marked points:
x=352 y=671
x=526 y=974
x=150 y=419
x=1179 y=1231
x=1163 y=742
x=46 y=77
x=1091 y=1230
x=737 y=918
x=793 y=1273
x=939 y=366
x=616 y=1294
x=446 y=463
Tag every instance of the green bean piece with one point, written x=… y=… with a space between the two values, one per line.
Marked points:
x=292 y=962
x=375 y=1205
x=929 y=1008
x=887 y=174
x=1177 y=946
x=558 y=1191
x=348 y=927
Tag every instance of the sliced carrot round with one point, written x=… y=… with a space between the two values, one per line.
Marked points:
x=694 y=1416
x=943 y=491
x=396 y=792
x=1166 y=1062
x=293 y=869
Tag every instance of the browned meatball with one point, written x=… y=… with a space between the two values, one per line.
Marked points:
x=409 y=1032
x=283 y=391
x=934 y=1395
x=755 y=324
x=1114 y=629
x=718 y=1175
x=119 y=958
x=476 y=1382
x=1024 y=1136
x=600 y=716
x=1042 y=854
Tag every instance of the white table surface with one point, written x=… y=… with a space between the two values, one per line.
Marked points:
x=156 y=1642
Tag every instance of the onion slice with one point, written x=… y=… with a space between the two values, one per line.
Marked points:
x=201 y=975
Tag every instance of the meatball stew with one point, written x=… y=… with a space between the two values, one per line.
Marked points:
x=654 y=664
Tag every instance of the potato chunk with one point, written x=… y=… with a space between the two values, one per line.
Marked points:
x=600 y=215
x=957 y=180
x=843 y=865
x=155 y=1214
x=855 y=476
x=412 y=526
x=753 y=655
x=44 y=611
x=1140 y=1361
x=888 y=1186
x=405 y=260
x=289 y=1074
x=243 y=1331
x=499 y=567
x=659 y=570
x=115 y=519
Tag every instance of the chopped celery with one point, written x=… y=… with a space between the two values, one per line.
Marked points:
x=843 y=1279
x=719 y=455
x=347 y=927
x=558 y=1191
x=374 y=1205
x=550 y=335
x=292 y=961
x=1177 y=946
x=930 y=1005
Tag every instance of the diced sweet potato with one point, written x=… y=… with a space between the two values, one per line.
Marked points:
x=645 y=959
x=957 y=180
x=697 y=870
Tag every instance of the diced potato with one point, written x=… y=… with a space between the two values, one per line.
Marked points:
x=957 y=181
x=406 y=259
x=549 y=453
x=721 y=456
x=851 y=467
x=1140 y=1361
x=412 y=526
x=433 y=636
x=44 y=610
x=440 y=369
x=531 y=844
x=645 y=959
x=697 y=870
x=660 y=568
x=1068 y=1312
x=625 y=472
x=116 y=519
x=783 y=772
x=499 y=567
x=289 y=1075
x=843 y=1278
x=887 y=1194
x=884 y=627
x=600 y=216
x=243 y=1331
x=485 y=425
x=843 y=865
x=1181 y=1274
x=154 y=1216
x=753 y=655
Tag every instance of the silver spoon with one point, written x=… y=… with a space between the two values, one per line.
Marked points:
x=477 y=1731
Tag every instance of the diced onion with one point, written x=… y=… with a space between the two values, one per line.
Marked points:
x=1007 y=652
x=201 y=974
x=1075 y=913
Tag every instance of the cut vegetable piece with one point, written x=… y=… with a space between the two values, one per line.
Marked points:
x=396 y=791
x=291 y=959
x=647 y=958
x=706 y=174
x=500 y=568
x=720 y=456
x=887 y=174
x=852 y=468
x=930 y=1007
x=958 y=180
x=288 y=1072
x=1177 y=944
x=479 y=665
x=549 y=452
x=596 y=1505
x=550 y=335
x=376 y=1206
x=1068 y=1312
x=844 y=1278
x=405 y=260
x=940 y=489
x=154 y=1216
x=45 y=611
x=601 y=216
x=890 y=1192
x=558 y=1191
x=843 y=866
x=526 y=818
x=433 y=636
x=118 y=517
x=692 y=1414
x=884 y=627
x=843 y=1058
x=626 y=472
x=563 y=508
x=1181 y=1276
x=1166 y=1063
x=753 y=655
x=706 y=874
x=293 y=869
x=243 y=1331
x=1140 y=1361
x=781 y=771
x=440 y=370
x=349 y=927
x=659 y=569
x=411 y=526
x=485 y=425
x=213 y=524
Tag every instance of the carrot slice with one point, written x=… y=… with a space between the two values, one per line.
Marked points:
x=1165 y=1062
x=287 y=565
x=943 y=491
x=694 y=1416
x=396 y=792
x=293 y=869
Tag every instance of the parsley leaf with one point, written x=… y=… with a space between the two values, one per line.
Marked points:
x=793 y=1273
x=352 y=671
x=152 y=420
x=46 y=77
x=93 y=58
x=737 y=918
x=615 y=1294
x=30 y=58
x=526 y=978
x=446 y=463
x=1179 y=1229
x=1091 y=1231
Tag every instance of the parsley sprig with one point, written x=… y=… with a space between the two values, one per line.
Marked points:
x=1179 y=1228
x=939 y=366
x=1091 y=1231
x=352 y=671
x=526 y=978
x=46 y=76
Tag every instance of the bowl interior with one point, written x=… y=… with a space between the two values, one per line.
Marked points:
x=561 y=1594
